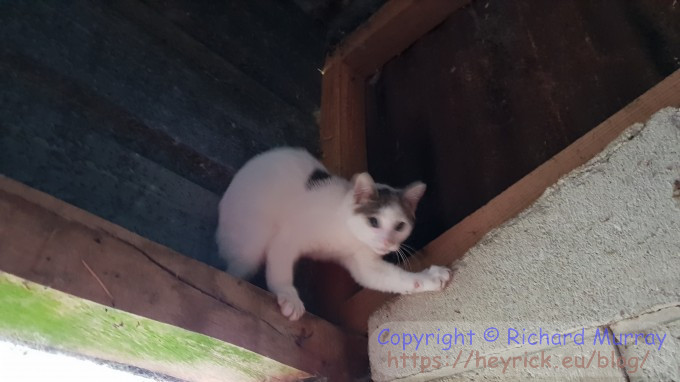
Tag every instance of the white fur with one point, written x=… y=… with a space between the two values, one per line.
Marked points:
x=269 y=215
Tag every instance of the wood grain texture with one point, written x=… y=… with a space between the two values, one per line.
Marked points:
x=47 y=319
x=456 y=241
x=271 y=42
x=45 y=241
x=391 y=30
x=396 y=26
x=112 y=106
x=342 y=134
x=343 y=147
x=500 y=87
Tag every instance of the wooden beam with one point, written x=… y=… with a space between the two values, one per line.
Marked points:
x=343 y=146
x=47 y=319
x=343 y=134
x=390 y=31
x=397 y=25
x=456 y=241
x=45 y=240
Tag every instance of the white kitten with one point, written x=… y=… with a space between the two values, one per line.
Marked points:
x=283 y=204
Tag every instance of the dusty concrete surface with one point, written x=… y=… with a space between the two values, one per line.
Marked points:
x=570 y=355
x=600 y=246
x=664 y=365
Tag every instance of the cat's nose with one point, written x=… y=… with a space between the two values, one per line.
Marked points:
x=387 y=242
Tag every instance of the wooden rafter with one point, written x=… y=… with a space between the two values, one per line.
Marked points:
x=46 y=241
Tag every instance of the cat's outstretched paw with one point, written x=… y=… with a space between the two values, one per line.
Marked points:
x=433 y=278
x=291 y=305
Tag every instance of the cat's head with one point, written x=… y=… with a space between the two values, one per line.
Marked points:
x=382 y=217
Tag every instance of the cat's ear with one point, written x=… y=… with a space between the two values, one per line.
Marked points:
x=412 y=195
x=364 y=188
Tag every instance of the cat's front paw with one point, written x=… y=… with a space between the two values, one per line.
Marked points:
x=291 y=305
x=433 y=278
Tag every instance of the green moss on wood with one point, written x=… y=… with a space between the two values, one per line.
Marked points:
x=36 y=314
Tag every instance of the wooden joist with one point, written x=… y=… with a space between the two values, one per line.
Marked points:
x=397 y=25
x=343 y=140
x=47 y=241
x=56 y=322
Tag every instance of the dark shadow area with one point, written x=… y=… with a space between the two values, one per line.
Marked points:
x=141 y=111
x=500 y=87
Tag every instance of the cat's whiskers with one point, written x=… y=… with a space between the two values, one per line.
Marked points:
x=408 y=246
x=414 y=254
x=401 y=253
x=412 y=251
x=400 y=258
x=406 y=261
x=404 y=245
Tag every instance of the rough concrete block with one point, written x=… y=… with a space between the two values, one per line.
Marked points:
x=568 y=363
x=662 y=359
x=599 y=246
x=423 y=351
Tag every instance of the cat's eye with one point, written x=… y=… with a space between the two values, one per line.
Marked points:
x=373 y=222
x=400 y=226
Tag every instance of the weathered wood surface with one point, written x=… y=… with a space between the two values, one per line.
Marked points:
x=387 y=33
x=343 y=146
x=259 y=39
x=45 y=240
x=134 y=115
x=455 y=242
x=81 y=155
x=502 y=86
x=343 y=140
x=152 y=76
x=390 y=31
x=46 y=318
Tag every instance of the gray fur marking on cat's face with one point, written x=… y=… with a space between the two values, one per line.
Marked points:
x=385 y=196
x=383 y=217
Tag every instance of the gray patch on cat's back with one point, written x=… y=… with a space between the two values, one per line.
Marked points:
x=318 y=178
x=384 y=197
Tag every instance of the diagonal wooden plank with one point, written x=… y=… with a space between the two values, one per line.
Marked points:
x=48 y=319
x=45 y=240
